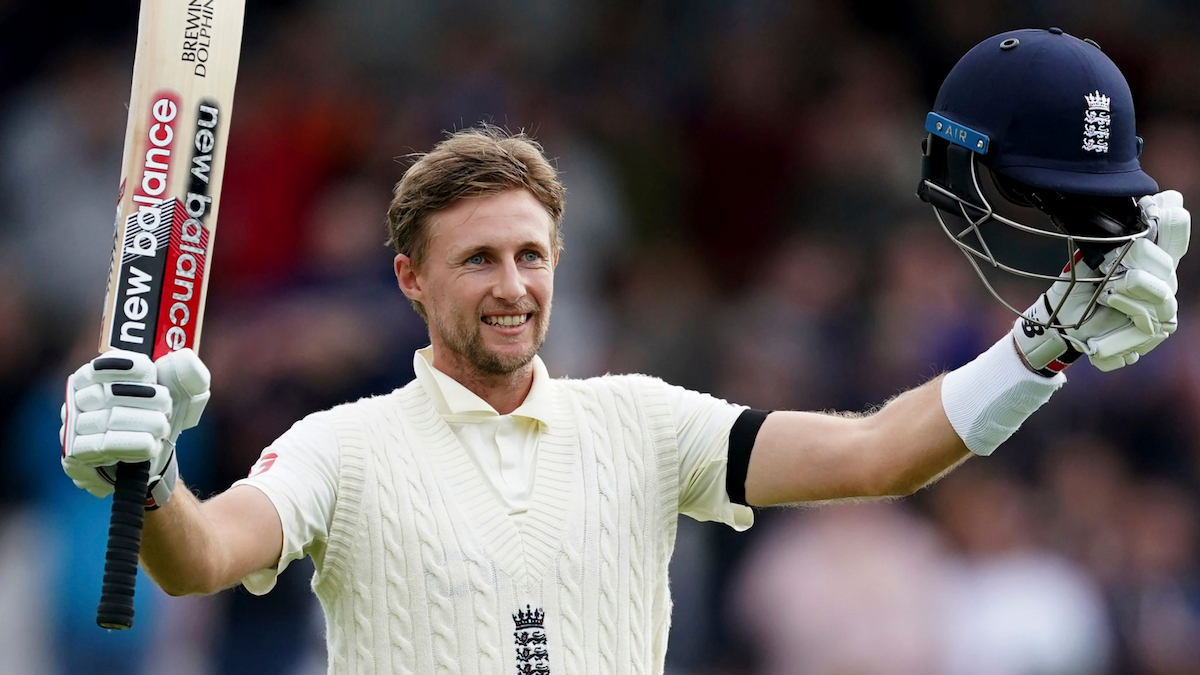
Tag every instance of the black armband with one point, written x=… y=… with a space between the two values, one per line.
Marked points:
x=741 y=443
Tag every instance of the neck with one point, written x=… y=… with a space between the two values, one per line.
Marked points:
x=504 y=392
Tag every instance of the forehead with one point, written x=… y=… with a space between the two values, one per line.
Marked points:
x=512 y=217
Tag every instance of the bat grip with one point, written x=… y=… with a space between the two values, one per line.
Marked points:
x=115 y=611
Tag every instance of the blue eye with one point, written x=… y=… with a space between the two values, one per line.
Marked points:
x=532 y=256
x=476 y=259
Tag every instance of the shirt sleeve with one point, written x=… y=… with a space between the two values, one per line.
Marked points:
x=702 y=425
x=299 y=474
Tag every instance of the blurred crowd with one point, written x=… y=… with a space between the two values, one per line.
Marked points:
x=740 y=220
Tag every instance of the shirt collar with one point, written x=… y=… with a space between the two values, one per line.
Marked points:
x=451 y=398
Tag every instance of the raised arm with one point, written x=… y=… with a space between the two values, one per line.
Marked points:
x=922 y=434
x=190 y=547
x=805 y=456
x=121 y=407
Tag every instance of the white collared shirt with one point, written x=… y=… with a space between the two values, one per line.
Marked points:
x=503 y=447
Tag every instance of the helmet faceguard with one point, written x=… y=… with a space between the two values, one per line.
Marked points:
x=1028 y=106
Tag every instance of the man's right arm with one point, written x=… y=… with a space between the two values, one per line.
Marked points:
x=121 y=407
x=191 y=547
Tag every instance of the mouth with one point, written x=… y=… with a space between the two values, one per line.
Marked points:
x=507 y=324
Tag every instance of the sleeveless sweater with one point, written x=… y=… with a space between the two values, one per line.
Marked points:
x=426 y=572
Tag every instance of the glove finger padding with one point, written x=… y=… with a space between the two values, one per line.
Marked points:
x=1150 y=344
x=130 y=395
x=87 y=477
x=101 y=480
x=95 y=422
x=112 y=447
x=1142 y=315
x=1147 y=256
x=115 y=366
x=1143 y=285
x=1120 y=341
x=1146 y=290
x=1169 y=327
x=1112 y=363
x=123 y=419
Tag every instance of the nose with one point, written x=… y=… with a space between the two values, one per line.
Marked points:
x=510 y=287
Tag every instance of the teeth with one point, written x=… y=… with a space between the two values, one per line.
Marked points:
x=506 y=320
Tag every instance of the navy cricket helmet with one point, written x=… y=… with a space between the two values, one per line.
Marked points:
x=1051 y=119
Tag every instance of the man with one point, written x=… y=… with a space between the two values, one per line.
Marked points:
x=486 y=518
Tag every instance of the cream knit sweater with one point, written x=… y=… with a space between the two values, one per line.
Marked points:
x=425 y=572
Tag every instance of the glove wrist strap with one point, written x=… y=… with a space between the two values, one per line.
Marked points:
x=1044 y=351
x=161 y=486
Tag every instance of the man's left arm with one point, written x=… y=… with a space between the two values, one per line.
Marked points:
x=925 y=432
x=806 y=456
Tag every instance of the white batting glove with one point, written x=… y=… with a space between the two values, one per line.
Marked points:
x=1137 y=308
x=120 y=407
x=187 y=378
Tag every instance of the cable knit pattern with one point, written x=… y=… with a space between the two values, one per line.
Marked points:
x=607 y=482
x=631 y=423
x=570 y=600
x=424 y=565
x=400 y=623
x=441 y=612
x=484 y=602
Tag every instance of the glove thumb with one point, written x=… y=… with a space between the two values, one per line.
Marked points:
x=187 y=378
x=1173 y=224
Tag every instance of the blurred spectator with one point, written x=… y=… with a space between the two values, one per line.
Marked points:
x=59 y=181
x=843 y=589
x=926 y=311
x=597 y=238
x=1012 y=606
x=1158 y=597
x=303 y=123
x=1087 y=486
x=21 y=349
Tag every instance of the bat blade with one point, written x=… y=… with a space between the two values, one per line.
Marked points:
x=174 y=159
x=180 y=107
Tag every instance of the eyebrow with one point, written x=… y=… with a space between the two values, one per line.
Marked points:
x=488 y=248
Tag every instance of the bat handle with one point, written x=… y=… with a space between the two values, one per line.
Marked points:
x=124 y=543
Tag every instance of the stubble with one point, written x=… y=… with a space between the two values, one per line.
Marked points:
x=465 y=338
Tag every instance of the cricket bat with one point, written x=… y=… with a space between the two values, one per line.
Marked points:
x=179 y=111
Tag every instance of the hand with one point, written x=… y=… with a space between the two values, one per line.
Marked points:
x=122 y=408
x=1137 y=308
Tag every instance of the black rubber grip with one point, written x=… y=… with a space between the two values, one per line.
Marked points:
x=112 y=363
x=124 y=543
x=133 y=390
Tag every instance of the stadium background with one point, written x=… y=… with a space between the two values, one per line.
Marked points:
x=740 y=220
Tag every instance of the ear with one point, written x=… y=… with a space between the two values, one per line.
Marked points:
x=407 y=278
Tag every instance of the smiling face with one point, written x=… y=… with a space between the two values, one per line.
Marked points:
x=486 y=282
